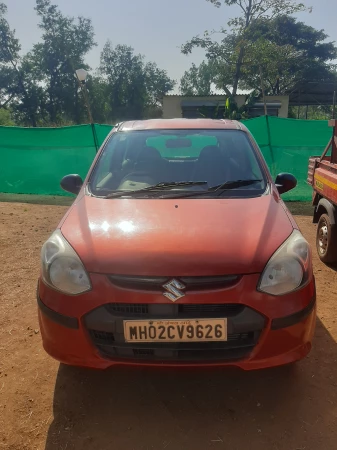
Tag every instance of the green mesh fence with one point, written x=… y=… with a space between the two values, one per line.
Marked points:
x=33 y=160
x=287 y=144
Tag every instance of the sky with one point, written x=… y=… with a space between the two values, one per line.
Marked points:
x=154 y=28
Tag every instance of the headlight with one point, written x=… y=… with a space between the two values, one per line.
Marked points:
x=62 y=269
x=288 y=269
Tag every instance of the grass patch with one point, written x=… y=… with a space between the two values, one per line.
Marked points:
x=300 y=208
x=56 y=200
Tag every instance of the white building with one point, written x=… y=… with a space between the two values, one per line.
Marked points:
x=175 y=106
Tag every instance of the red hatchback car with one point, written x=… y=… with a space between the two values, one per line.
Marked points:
x=177 y=251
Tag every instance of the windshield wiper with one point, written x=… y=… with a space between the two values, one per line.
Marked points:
x=233 y=184
x=228 y=185
x=156 y=187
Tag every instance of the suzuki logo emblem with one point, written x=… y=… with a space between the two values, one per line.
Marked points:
x=174 y=290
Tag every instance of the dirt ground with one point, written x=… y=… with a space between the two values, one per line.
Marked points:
x=46 y=406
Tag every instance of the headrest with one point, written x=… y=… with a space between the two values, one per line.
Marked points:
x=209 y=153
x=147 y=153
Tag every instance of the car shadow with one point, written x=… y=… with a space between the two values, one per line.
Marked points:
x=277 y=409
x=332 y=266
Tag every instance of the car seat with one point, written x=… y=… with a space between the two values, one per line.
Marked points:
x=211 y=166
x=149 y=168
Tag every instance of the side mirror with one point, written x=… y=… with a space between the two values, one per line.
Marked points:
x=285 y=182
x=72 y=183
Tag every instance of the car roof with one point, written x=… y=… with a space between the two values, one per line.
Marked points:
x=181 y=124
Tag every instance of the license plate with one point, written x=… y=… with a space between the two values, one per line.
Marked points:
x=200 y=330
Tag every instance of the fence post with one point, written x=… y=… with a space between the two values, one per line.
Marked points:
x=94 y=134
x=273 y=171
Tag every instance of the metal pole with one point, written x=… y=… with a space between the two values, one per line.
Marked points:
x=334 y=105
x=93 y=129
x=299 y=104
x=263 y=95
x=86 y=99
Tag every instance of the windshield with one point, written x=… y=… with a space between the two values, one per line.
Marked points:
x=133 y=162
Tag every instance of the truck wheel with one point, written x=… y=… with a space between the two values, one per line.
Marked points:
x=326 y=240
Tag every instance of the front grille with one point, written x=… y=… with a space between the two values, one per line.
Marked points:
x=140 y=283
x=102 y=337
x=182 y=310
x=224 y=309
x=128 y=309
x=142 y=352
x=236 y=347
x=106 y=330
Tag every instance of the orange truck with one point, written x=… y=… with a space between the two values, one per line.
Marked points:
x=322 y=176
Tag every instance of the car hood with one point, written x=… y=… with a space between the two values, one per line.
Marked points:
x=176 y=237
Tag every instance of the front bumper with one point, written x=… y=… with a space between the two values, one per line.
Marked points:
x=87 y=332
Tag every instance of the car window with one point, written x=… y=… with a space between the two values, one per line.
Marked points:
x=197 y=143
x=104 y=168
x=134 y=160
x=111 y=161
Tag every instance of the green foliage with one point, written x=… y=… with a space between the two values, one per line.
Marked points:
x=229 y=109
x=41 y=88
x=310 y=112
x=130 y=87
x=288 y=52
x=9 y=55
x=274 y=62
x=5 y=118
x=198 y=80
x=234 y=112
x=65 y=42
x=255 y=9
x=264 y=36
x=18 y=88
x=98 y=96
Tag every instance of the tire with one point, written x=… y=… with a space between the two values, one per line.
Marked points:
x=326 y=240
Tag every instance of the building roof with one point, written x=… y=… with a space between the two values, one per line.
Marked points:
x=312 y=93
x=198 y=96
x=181 y=124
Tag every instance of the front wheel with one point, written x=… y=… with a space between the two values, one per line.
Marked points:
x=326 y=240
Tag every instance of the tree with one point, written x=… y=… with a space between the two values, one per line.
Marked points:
x=9 y=55
x=158 y=83
x=15 y=86
x=310 y=112
x=65 y=42
x=289 y=52
x=131 y=85
x=98 y=97
x=233 y=49
x=273 y=62
x=5 y=118
x=198 y=80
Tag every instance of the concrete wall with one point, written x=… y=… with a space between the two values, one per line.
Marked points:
x=172 y=103
x=284 y=99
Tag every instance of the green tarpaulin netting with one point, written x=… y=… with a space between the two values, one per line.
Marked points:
x=33 y=160
x=287 y=145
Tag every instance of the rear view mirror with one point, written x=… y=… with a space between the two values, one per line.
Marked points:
x=285 y=182
x=72 y=183
x=178 y=143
